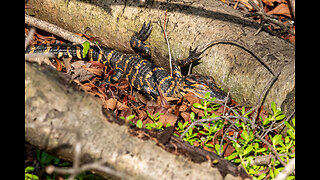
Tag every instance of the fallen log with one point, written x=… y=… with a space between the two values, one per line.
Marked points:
x=58 y=116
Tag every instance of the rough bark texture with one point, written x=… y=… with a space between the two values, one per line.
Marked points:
x=52 y=101
x=191 y=23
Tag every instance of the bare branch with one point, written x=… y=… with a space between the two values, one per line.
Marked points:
x=268 y=18
x=288 y=169
x=262 y=98
x=29 y=37
x=76 y=168
x=167 y=41
x=241 y=45
x=32 y=21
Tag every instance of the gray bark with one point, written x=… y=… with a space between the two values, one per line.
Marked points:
x=56 y=104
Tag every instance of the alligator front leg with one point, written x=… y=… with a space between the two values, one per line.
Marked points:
x=194 y=56
x=114 y=78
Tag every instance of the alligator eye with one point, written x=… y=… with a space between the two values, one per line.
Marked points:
x=200 y=87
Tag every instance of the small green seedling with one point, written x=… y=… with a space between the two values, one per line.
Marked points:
x=28 y=173
x=86 y=47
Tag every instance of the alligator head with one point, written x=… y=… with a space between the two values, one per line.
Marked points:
x=200 y=85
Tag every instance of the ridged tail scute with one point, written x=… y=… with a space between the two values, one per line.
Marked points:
x=58 y=50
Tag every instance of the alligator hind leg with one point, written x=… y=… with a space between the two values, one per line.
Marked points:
x=114 y=78
x=137 y=41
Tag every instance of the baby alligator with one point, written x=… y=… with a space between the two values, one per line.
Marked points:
x=143 y=75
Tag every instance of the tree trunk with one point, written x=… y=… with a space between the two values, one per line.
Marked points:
x=191 y=23
x=56 y=111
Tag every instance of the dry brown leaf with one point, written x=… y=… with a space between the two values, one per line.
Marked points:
x=183 y=107
x=147 y=121
x=161 y=100
x=270 y=2
x=246 y=3
x=191 y=98
x=281 y=9
x=127 y=112
x=111 y=104
x=208 y=149
x=228 y=149
x=168 y=99
x=215 y=136
x=79 y=72
x=86 y=87
x=142 y=114
x=185 y=116
x=168 y=118
x=140 y=97
x=121 y=106
x=160 y=109
x=151 y=103
x=95 y=71
x=199 y=112
x=123 y=84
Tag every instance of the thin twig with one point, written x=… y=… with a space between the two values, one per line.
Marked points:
x=270 y=146
x=29 y=37
x=292 y=7
x=32 y=21
x=288 y=169
x=256 y=108
x=268 y=18
x=261 y=99
x=241 y=45
x=208 y=120
x=76 y=167
x=225 y=133
x=73 y=172
x=280 y=124
x=167 y=41
x=199 y=121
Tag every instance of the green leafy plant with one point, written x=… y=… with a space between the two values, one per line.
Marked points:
x=276 y=115
x=87 y=176
x=128 y=118
x=47 y=159
x=181 y=127
x=139 y=124
x=206 y=130
x=207 y=106
x=86 y=47
x=190 y=136
x=155 y=124
x=247 y=146
x=28 y=173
